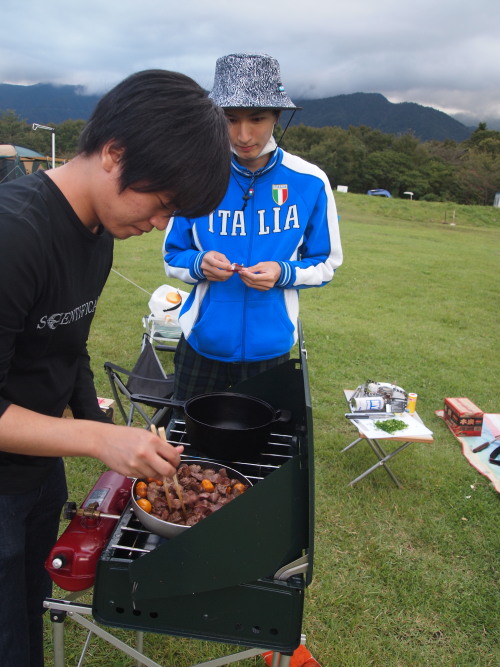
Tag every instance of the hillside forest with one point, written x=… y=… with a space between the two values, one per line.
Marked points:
x=360 y=158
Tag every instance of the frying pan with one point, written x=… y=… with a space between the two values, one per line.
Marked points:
x=166 y=528
x=226 y=426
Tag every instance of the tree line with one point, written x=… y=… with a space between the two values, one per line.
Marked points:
x=361 y=158
x=15 y=131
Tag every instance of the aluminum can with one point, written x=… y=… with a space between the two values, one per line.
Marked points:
x=412 y=403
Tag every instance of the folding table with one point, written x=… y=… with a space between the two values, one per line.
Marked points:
x=419 y=435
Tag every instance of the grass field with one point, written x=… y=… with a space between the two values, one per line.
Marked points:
x=407 y=577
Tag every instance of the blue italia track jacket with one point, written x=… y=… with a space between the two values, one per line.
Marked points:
x=284 y=212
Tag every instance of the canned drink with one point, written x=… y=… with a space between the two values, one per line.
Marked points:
x=369 y=403
x=412 y=403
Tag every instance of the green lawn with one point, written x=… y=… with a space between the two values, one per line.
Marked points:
x=407 y=577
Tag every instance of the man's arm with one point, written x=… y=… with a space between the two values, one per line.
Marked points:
x=135 y=452
x=320 y=253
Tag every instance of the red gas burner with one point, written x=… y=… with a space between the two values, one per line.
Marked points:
x=72 y=561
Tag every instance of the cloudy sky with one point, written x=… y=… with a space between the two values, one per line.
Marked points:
x=439 y=53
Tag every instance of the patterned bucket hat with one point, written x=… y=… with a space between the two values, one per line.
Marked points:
x=247 y=81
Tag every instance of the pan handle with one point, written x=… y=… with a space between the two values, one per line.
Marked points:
x=156 y=401
x=297 y=566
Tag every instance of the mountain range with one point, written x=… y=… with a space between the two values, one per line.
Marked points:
x=46 y=103
x=375 y=111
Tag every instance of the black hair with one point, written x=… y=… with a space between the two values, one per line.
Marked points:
x=173 y=137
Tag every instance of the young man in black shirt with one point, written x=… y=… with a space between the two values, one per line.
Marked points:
x=155 y=144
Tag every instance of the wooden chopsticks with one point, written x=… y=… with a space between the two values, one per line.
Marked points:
x=165 y=484
x=177 y=486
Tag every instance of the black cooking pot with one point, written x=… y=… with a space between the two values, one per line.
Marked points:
x=226 y=426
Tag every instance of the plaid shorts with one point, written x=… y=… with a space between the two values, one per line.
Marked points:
x=196 y=374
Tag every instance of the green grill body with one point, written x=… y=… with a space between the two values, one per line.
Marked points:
x=216 y=581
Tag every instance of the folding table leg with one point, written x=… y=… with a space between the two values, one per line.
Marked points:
x=383 y=458
x=354 y=442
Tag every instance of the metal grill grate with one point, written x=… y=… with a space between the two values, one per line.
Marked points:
x=280 y=448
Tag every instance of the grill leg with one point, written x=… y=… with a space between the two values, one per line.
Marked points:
x=280 y=660
x=139 y=645
x=85 y=648
x=58 y=643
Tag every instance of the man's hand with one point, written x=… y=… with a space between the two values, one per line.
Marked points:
x=216 y=266
x=262 y=276
x=137 y=452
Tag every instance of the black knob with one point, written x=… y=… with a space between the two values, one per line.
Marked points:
x=69 y=510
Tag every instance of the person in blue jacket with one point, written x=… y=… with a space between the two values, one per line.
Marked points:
x=274 y=233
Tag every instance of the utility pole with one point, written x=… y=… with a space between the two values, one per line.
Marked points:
x=37 y=126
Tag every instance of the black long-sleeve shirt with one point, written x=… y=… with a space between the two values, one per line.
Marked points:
x=52 y=272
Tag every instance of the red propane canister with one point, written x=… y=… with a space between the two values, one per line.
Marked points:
x=72 y=561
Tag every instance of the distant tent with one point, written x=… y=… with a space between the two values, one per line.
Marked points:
x=16 y=161
x=379 y=192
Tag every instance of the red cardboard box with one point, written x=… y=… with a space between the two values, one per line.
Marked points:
x=462 y=416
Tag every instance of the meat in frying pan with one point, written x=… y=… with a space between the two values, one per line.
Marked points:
x=205 y=490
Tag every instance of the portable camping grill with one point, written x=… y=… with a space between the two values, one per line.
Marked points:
x=238 y=576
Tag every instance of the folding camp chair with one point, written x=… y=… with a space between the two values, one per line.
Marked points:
x=147 y=378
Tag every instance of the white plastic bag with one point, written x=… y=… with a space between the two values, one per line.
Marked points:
x=165 y=306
